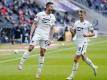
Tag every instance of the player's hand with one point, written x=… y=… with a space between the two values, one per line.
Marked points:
x=89 y=34
x=50 y=42
x=30 y=37
x=85 y=35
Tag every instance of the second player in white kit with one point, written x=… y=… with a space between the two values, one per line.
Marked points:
x=81 y=41
x=82 y=30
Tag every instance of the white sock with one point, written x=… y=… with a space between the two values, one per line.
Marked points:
x=89 y=62
x=74 y=69
x=24 y=57
x=41 y=61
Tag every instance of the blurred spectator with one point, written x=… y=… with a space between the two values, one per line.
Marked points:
x=17 y=34
x=8 y=3
x=4 y=11
x=89 y=3
x=103 y=1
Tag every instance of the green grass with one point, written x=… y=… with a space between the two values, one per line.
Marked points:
x=58 y=63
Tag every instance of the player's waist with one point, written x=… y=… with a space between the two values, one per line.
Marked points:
x=40 y=32
x=78 y=42
x=41 y=35
x=82 y=39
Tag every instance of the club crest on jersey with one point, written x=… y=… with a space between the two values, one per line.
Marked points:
x=79 y=28
x=45 y=20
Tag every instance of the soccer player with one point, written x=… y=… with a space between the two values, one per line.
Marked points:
x=82 y=30
x=43 y=28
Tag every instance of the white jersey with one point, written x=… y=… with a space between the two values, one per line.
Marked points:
x=44 y=24
x=82 y=28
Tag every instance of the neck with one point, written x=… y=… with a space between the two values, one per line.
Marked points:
x=47 y=12
x=81 y=20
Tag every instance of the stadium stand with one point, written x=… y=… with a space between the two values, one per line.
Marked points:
x=16 y=17
x=98 y=5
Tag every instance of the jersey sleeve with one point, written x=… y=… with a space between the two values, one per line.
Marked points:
x=36 y=19
x=90 y=27
x=53 y=21
x=74 y=27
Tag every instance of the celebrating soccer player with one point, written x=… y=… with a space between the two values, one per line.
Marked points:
x=82 y=29
x=42 y=28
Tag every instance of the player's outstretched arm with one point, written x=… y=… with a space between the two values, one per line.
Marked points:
x=51 y=33
x=89 y=34
x=73 y=31
x=33 y=27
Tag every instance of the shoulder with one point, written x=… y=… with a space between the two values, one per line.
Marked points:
x=40 y=13
x=52 y=16
x=77 y=22
x=38 y=16
x=87 y=22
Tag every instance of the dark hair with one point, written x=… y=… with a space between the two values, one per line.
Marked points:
x=82 y=11
x=48 y=3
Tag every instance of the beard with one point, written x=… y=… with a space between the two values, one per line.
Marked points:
x=51 y=11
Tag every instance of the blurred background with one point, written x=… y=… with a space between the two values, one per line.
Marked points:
x=16 y=18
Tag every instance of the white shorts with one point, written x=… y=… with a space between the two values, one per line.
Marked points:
x=37 y=40
x=81 y=48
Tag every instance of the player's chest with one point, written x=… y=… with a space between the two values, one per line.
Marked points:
x=45 y=19
x=81 y=27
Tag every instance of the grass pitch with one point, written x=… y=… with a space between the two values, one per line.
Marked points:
x=58 y=62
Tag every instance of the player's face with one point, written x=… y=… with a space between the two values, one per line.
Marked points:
x=81 y=15
x=50 y=8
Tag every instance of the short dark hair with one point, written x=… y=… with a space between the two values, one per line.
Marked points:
x=49 y=3
x=82 y=11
